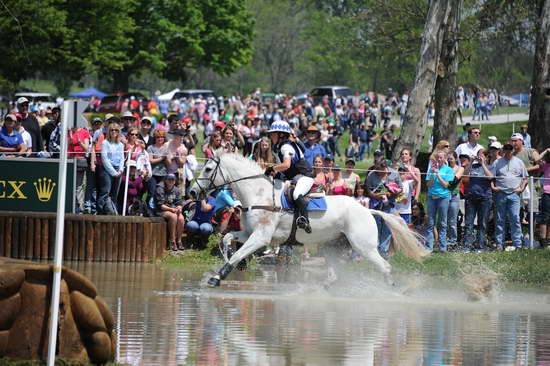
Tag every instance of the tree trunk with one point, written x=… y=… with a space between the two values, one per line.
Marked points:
x=121 y=81
x=415 y=121
x=445 y=85
x=540 y=93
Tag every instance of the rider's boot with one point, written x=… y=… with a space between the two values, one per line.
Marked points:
x=302 y=220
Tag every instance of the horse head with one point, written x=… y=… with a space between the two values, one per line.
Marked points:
x=211 y=177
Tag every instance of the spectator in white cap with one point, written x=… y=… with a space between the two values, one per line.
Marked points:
x=529 y=156
x=128 y=121
x=470 y=147
x=492 y=139
x=30 y=123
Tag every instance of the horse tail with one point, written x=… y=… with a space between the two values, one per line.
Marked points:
x=403 y=239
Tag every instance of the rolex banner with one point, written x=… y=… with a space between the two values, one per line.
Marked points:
x=31 y=184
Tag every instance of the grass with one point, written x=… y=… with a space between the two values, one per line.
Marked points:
x=499 y=110
x=520 y=267
x=191 y=257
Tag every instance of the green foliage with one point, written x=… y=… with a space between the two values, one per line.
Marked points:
x=205 y=257
x=524 y=266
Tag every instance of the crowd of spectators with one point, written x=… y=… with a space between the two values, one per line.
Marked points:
x=142 y=164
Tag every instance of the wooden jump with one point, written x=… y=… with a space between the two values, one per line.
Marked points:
x=31 y=235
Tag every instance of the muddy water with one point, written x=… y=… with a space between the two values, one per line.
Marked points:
x=164 y=317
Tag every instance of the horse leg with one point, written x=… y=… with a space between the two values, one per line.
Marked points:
x=367 y=245
x=240 y=236
x=254 y=242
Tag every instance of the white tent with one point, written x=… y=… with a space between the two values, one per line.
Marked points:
x=168 y=96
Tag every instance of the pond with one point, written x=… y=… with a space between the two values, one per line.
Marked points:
x=275 y=317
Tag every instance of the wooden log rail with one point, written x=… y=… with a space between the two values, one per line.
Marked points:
x=31 y=235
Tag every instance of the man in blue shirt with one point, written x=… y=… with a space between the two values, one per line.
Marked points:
x=200 y=225
x=479 y=199
x=312 y=146
x=10 y=139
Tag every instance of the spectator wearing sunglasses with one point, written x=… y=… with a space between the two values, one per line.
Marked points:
x=112 y=157
x=470 y=147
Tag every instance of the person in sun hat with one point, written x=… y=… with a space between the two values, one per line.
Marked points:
x=128 y=121
x=312 y=145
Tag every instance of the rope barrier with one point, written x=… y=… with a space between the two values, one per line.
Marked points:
x=200 y=159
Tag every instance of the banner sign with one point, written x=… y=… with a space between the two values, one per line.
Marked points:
x=31 y=184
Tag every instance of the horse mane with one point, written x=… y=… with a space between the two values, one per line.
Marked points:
x=243 y=163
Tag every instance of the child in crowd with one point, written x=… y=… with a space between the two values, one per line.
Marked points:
x=404 y=199
x=360 y=196
x=419 y=221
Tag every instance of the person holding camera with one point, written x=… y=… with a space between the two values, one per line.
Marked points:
x=232 y=139
x=438 y=178
x=478 y=200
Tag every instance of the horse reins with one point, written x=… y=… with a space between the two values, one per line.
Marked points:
x=214 y=187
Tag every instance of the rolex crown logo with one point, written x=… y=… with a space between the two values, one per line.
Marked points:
x=44 y=189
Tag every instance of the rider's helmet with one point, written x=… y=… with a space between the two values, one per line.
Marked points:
x=280 y=126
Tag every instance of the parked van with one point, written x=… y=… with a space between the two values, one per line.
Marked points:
x=193 y=93
x=38 y=100
x=331 y=91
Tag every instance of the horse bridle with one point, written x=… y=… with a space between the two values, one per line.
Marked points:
x=212 y=178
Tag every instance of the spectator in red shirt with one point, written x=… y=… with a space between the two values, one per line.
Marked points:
x=79 y=143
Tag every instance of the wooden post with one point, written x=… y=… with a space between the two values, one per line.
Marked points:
x=75 y=240
x=89 y=255
x=51 y=239
x=15 y=238
x=123 y=238
x=36 y=239
x=44 y=237
x=82 y=241
x=97 y=242
x=8 y=237
x=109 y=243
x=68 y=237
x=28 y=236
x=133 y=235
x=139 y=242
x=147 y=242
x=2 y=231
x=104 y=241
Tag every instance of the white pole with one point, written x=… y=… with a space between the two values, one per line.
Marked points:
x=59 y=229
x=126 y=183
x=531 y=209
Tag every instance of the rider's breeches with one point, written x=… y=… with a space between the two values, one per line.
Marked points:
x=303 y=185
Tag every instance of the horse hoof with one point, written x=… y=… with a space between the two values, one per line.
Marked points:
x=214 y=282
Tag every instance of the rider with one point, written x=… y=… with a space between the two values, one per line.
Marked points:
x=293 y=167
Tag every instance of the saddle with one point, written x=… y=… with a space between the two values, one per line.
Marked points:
x=315 y=198
x=314 y=201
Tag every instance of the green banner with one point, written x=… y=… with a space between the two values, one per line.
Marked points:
x=31 y=184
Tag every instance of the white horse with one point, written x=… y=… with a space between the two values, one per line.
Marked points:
x=265 y=223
